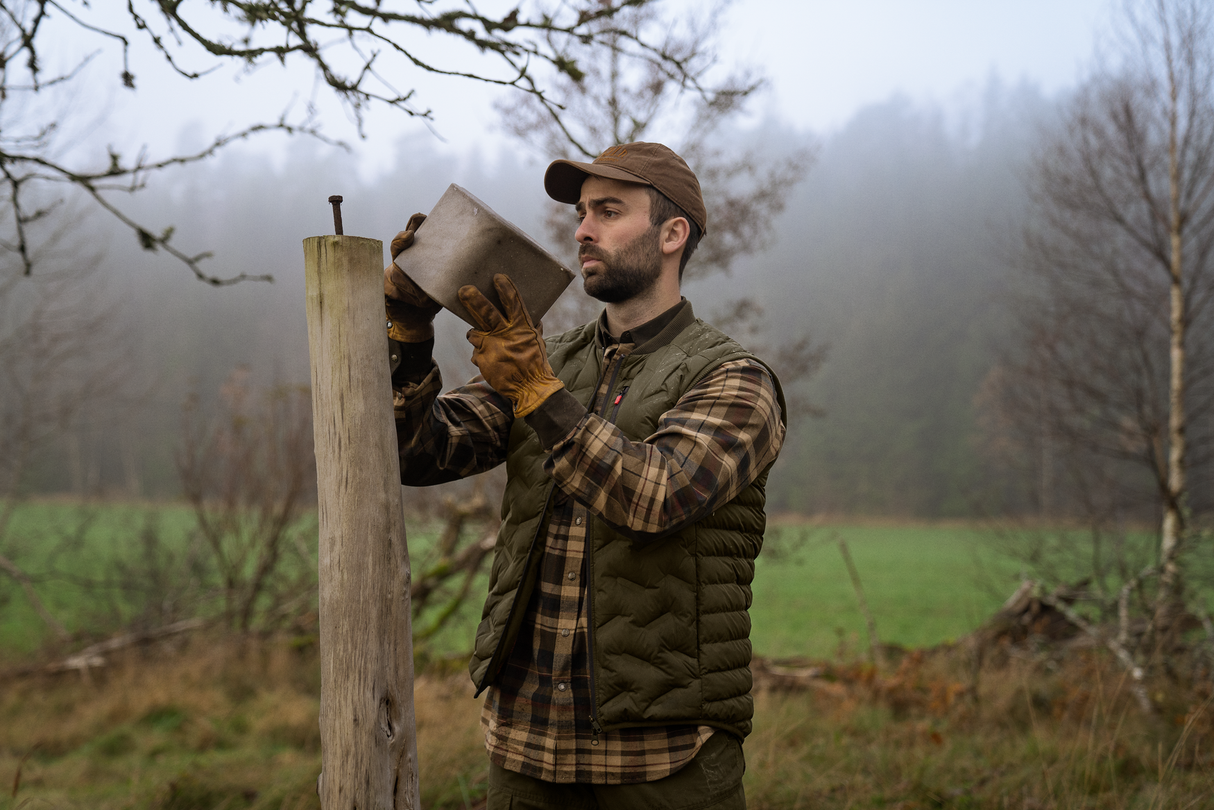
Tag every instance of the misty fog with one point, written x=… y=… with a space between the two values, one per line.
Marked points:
x=895 y=250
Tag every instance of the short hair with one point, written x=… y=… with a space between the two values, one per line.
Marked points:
x=662 y=209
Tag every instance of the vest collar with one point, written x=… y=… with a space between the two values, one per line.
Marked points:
x=651 y=335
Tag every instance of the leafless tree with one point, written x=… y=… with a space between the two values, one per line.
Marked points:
x=249 y=475
x=1111 y=383
x=356 y=51
x=56 y=330
x=448 y=569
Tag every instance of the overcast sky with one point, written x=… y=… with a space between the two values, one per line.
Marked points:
x=825 y=60
x=828 y=58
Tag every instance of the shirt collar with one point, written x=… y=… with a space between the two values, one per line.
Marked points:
x=652 y=334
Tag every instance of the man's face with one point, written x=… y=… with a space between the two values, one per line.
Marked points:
x=617 y=247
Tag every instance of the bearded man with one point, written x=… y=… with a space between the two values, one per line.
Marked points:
x=614 y=647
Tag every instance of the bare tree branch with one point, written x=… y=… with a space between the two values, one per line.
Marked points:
x=354 y=48
x=27 y=585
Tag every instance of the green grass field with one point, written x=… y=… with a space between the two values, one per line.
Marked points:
x=78 y=557
x=924 y=584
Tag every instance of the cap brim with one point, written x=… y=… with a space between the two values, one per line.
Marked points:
x=564 y=178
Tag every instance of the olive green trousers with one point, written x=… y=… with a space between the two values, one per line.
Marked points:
x=713 y=779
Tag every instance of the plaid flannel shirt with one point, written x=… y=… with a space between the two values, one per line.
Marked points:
x=716 y=440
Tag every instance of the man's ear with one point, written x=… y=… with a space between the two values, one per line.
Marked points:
x=674 y=235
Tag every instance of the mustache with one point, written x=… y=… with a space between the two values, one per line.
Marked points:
x=590 y=251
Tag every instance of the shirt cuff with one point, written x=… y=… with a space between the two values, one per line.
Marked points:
x=555 y=418
x=411 y=362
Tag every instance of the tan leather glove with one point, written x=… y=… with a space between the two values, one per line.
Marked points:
x=508 y=348
x=410 y=311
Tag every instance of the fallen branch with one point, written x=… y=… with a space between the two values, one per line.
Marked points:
x=93 y=656
x=787 y=675
x=1118 y=649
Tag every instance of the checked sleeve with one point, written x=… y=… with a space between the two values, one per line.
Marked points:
x=440 y=439
x=711 y=445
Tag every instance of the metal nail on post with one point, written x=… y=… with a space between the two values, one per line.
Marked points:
x=335 y=201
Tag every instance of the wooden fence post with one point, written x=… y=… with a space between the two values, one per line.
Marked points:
x=367 y=724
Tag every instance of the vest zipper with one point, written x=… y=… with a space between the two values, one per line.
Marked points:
x=615 y=404
x=618 y=362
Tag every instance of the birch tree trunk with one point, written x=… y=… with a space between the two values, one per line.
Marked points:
x=1172 y=532
x=1121 y=244
x=367 y=722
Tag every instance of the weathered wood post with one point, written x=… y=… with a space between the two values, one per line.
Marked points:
x=367 y=723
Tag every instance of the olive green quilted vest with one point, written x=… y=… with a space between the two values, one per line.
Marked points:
x=670 y=631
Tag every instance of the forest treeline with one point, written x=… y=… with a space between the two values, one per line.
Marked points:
x=898 y=250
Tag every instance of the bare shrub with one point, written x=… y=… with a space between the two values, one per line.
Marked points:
x=249 y=474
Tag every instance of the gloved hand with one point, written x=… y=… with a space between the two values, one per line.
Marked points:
x=410 y=311
x=508 y=349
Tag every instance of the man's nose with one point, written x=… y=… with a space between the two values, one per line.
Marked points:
x=584 y=231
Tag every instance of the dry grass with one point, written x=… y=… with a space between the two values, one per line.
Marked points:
x=212 y=724
x=224 y=724
x=1022 y=735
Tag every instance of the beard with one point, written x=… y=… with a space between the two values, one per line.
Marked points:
x=627 y=272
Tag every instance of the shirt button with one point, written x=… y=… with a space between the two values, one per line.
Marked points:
x=565 y=632
x=577 y=521
x=572 y=576
x=561 y=687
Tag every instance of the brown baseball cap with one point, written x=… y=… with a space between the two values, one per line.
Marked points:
x=651 y=164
